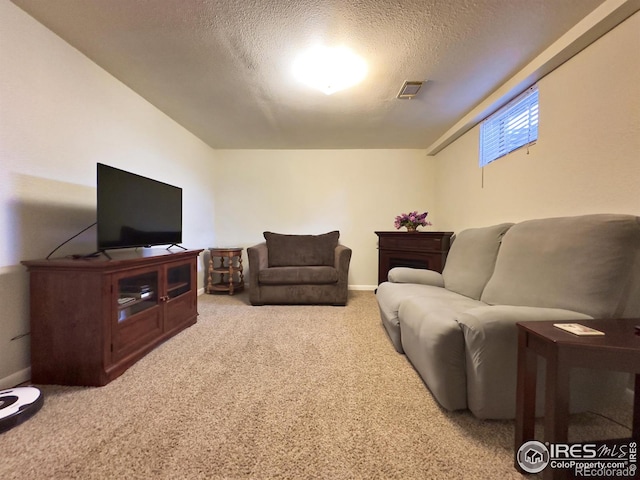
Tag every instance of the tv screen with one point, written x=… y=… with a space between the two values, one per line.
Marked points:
x=135 y=211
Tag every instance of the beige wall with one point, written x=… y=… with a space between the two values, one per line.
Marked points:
x=586 y=160
x=60 y=114
x=314 y=191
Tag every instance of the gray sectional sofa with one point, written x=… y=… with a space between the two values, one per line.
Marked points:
x=458 y=328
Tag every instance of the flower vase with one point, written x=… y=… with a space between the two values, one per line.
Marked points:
x=412 y=228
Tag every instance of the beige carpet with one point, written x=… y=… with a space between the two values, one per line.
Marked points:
x=274 y=392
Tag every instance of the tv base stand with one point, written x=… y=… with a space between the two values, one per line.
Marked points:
x=175 y=245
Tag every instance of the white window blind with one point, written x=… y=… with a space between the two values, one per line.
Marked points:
x=511 y=127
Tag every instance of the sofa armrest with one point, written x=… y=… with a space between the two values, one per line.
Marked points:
x=415 y=275
x=491 y=344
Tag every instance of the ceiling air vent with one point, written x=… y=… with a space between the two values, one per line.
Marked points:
x=409 y=90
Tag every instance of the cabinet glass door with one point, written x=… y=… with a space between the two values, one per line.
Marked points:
x=178 y=280
x=136 y=294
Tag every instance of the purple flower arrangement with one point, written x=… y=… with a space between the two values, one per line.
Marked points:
x=411 y=220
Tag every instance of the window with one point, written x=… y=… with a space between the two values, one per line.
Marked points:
x=511 y=127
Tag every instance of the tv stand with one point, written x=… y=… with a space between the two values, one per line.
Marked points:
x=175 y=245
x=93 y=318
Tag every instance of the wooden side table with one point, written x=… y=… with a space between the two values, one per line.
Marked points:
x=618 y=349
x=229 y=268
x=426 y=250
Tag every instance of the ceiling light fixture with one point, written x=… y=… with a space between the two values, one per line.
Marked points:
x=330 y=69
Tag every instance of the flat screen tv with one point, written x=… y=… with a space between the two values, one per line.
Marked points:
x=136 y=211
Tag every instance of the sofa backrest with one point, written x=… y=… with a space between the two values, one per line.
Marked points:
x=584 y=263
x=301 y=250
x=631 y=297
x=472 y=258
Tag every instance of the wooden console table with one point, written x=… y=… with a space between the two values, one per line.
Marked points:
x=426 y=250
x=93 y=318
x=618 y=349
x=230 y=267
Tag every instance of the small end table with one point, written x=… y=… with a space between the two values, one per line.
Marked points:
x=230 y=266
x=618 y=349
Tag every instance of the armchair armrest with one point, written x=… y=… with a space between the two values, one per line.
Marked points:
x=258 y=260
x=415 y=275
x=342 y=255
x=342 y=258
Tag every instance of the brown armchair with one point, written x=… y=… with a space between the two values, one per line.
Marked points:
x=299 y=269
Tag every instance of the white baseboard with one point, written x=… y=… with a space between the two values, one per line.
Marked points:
x=371 y=288
x=363 y=287
x=15 y=379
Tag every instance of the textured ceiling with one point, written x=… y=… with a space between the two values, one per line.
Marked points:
x=222 y=68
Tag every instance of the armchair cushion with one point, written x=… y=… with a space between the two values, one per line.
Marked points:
x=301 y=250
x=314 y=275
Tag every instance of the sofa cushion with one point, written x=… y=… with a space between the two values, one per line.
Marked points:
x=472 y=258
x=491 y=344
x=434 y=344
x=391 y=295
x=576 y=263
x=301 y=250
x=315 y=275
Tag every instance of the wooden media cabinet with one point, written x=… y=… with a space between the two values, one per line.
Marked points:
x=93 y=318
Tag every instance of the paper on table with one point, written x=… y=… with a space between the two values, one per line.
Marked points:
x=578 y=329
